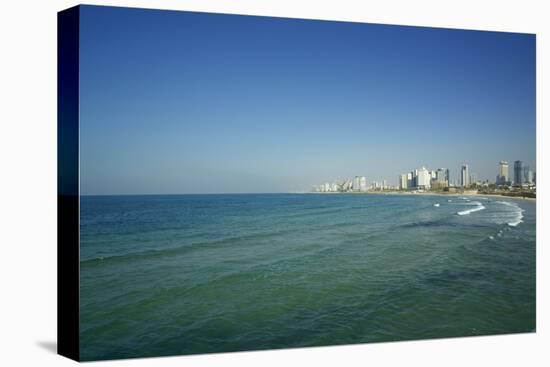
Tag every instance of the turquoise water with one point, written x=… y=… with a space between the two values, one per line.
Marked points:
x=185 y=274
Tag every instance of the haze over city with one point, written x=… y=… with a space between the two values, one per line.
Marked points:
x=245 y=104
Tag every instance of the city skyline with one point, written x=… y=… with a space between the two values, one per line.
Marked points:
x=261 y=104
x=429 y=179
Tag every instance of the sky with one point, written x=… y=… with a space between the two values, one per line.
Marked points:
x=182 y=102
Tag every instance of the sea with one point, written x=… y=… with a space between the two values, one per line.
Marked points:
x=186 y=274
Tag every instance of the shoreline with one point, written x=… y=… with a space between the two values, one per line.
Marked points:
x=453 y=194
x=442 y=194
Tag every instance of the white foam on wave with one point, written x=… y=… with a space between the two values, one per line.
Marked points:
x=478 y=207
x=513 y=216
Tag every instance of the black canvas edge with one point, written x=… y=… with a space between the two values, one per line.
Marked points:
x=68 y=218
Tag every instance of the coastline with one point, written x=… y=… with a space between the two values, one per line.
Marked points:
x=473 y=194
x=442 y=194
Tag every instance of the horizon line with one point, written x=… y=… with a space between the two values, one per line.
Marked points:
x=199 y=193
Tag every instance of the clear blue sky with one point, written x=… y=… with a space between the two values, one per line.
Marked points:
x=177 y=102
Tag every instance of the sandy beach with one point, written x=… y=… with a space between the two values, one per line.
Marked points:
x=431 y=193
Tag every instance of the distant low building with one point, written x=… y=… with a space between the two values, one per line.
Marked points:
x=439 y=185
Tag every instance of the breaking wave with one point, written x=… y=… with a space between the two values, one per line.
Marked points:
x=478 y=207
x=514 y=215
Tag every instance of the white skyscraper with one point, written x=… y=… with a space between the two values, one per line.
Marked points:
x=356 y=183
x=363 y=184
x=403 y=182
x=529 y=177
x=423 y=178
x=503 y=177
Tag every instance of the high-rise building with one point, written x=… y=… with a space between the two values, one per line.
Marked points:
x=464 y=176
x=403 y=182
x=414 y=180
x=362 y=183
x=442 y=175
x=502 y=177
x=356 y=183
x=410 y=182
x=347 y=185
x=518 y=173
x=503 y=170
x=529 y=176
x=439 y=179
x=423 y=178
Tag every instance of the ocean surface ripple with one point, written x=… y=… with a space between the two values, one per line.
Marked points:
x=186 y=274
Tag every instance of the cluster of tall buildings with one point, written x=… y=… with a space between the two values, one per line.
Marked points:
x=438 y=179
x=523 y=175
x=424 y=179
x=356 y=184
